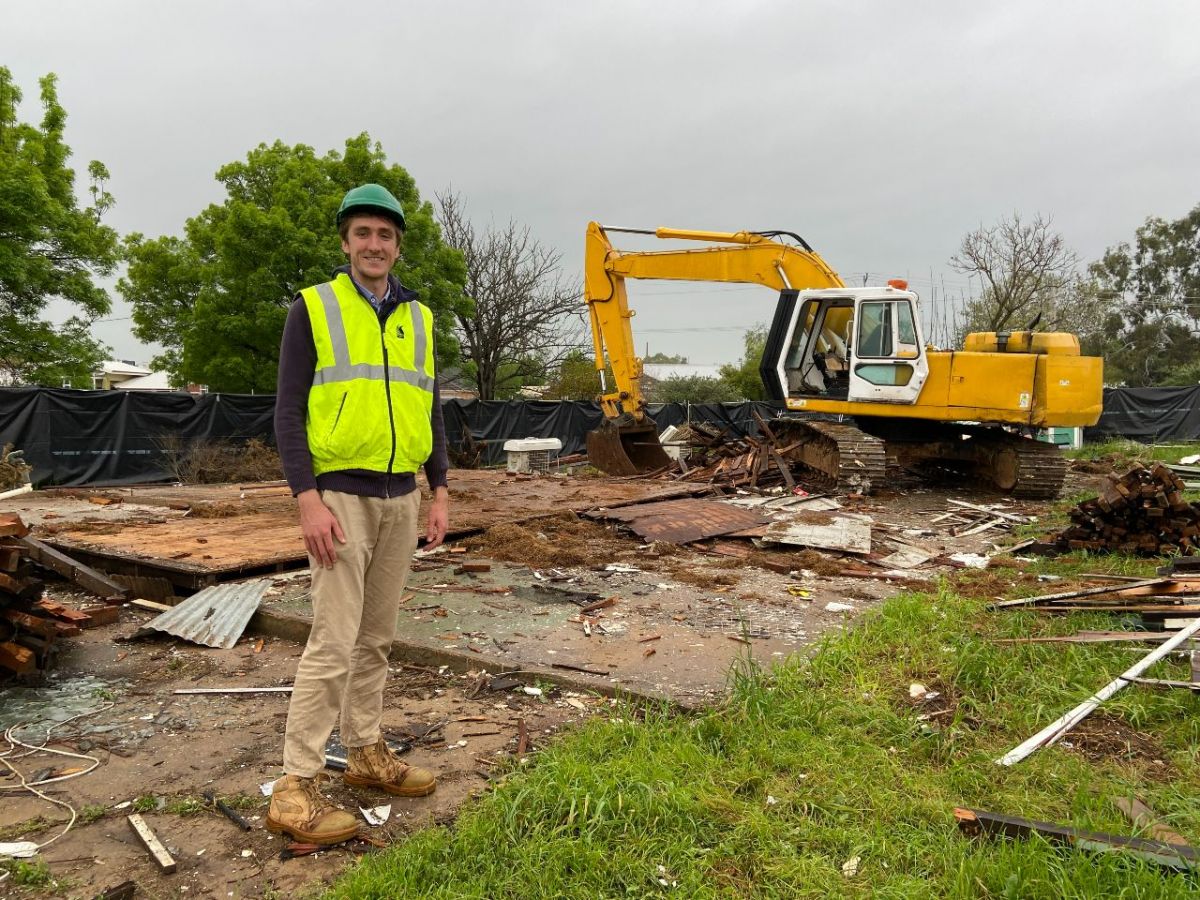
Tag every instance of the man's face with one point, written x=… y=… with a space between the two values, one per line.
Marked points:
x=373 y=245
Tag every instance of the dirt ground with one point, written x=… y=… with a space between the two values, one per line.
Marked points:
x=159 y=752
x=700 y=606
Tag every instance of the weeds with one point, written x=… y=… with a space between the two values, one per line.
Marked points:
x=92 y=813
x=19 y=829
x=218 y=462
x=145 y=803
x=1123 y=453
x=28 y=874
x=244 y=801
x=186 y=806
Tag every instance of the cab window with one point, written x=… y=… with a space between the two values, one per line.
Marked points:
x=875 y=329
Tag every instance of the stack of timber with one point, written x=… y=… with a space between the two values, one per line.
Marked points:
x=31 y=624
x=1141 y=512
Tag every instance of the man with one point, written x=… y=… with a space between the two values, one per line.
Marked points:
x=357 y=412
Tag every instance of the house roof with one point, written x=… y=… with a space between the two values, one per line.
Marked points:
x=662 y=371
x=121 y=367
x=153 y=381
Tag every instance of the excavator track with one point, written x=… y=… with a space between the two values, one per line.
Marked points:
x=844 y=457
x=991 y=457
x=1039 y=468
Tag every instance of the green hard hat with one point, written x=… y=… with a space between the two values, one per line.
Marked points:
x=374 y=198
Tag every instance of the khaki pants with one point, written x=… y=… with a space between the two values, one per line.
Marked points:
x=354 y=622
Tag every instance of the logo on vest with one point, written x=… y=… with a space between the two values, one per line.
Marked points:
x=400 y=332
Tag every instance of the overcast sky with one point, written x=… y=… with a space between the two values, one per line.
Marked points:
x=880 y=131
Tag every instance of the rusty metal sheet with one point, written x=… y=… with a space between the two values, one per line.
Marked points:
x=215 y=616
x=682 y=521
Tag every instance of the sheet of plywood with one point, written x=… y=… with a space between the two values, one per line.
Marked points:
x=842 y=533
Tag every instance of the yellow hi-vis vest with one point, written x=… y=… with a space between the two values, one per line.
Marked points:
x=372 y=390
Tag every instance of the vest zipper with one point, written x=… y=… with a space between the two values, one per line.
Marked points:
x=387 y=387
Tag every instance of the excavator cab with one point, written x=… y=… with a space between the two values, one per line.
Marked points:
x=845 y=344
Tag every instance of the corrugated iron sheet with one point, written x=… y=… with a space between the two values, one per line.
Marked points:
x=215 y=616
x=682 y=521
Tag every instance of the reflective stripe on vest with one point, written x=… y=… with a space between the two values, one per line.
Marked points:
x=371 y=398
x=343 y=370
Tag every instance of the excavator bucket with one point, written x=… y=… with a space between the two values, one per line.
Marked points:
x=626 y=449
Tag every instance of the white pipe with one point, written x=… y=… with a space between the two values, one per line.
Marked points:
x=23 y=489
x=1059 y=727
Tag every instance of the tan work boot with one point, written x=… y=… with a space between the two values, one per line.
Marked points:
x=376 y=766
x=298 y=809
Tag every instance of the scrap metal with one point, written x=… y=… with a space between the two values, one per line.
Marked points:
x=683 y=521
x=214 y=617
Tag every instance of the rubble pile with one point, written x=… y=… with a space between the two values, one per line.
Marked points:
x=14 y=471
x=1142 y=512
x=737 y=462
x=30 y=623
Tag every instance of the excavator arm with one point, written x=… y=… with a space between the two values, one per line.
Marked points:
x=741 y=257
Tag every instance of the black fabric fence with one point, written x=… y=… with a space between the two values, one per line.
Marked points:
x=125 y=437
x=492 y=422
x=121 y=437
x=1149 y=415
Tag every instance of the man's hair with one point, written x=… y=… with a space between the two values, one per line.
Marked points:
x=344 y=227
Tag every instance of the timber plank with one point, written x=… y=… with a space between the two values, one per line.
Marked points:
x=84 y=576
x=17 y=658
x=1171 y=856
x=165 y=861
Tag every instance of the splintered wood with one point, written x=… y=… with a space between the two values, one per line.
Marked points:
x=734 y=462
x=1141 y=512
x=29 y=624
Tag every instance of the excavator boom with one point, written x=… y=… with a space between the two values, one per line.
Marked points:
x=748 y=258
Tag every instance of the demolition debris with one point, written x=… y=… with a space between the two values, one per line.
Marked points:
x=1141 y=512
x=31 y=625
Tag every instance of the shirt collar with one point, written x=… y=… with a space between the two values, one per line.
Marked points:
x=376 y=302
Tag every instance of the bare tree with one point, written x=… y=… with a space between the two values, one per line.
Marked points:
x=1027 y=273
x=527 y=317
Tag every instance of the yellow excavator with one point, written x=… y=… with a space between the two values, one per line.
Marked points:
x=855 y=355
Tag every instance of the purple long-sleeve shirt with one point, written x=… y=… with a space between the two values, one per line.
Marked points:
x=297 y=362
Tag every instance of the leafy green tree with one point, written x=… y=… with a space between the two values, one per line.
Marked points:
x=744 y=378
x=1151 y=333
x=216 y=298
x=50 y=247
x=665 y=359
x=693 y=389
x=577 y=379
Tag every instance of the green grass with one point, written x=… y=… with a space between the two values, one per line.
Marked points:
x=92 y=812
x=852 y=771
x=28 y=873
x=186 y=806
x=245 y=801
x=18 y=829
x=1125 y=452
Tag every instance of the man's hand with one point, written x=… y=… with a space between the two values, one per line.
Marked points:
x=320 y=526
x=439 y=519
